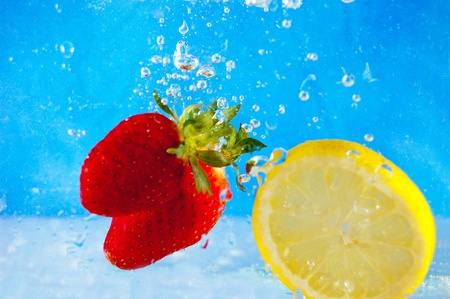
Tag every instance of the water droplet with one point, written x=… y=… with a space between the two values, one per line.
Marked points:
x=255 y=123
x=71 y=132
x=356 y=98
x=247 y=128
x=278 y=156
x=294 y=4
x=369 y=137
x=255 y=108
x=281 y=109
x=352 y=154
x=244 y=178
x=286 y=23
x=366 y=206
x=184 y=28
x=206 y=71
x=160 y=40
x=312 y=56
x=67 y=49
x=384 y=170
x=216 y=58
x=202 y=84
x=226 y=10
x=145 y=72
x=315 y=119
x=209 y=24
x=303 y=95
x=348 y=80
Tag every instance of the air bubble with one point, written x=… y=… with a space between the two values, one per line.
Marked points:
x=286 y=23
x=352 y=154
x=247 y=128
x=182 y=60
x=206 y=71
x=71 y=132
x=294 y=4
x=192 y=87
x=202 y=84
x=315 y=119
x=145 y=72
x=369 y=137
x=348 y=80
x=255 y=165
x=281 y=109
x=255 y=108
x=225 y=195
x=216 y=58
x=230 y=64
x=67 y=49
x=312 y=56
x=184 y=28
x=160 y=40
x=255 y=123
x=278 y=156
x=356 y=98
x=244 y=178
x=303 y=95
x=384 y=170
x=347 y=1
x=156 y=59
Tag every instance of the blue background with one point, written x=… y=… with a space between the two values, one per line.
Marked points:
x=43 y=94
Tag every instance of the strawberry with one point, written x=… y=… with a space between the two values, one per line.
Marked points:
x=140 y=239
x=157 y=177
x=130 y=170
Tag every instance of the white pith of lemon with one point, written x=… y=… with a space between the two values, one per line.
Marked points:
x=337 y=220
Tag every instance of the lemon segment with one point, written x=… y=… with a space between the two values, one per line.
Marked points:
x=338 y=220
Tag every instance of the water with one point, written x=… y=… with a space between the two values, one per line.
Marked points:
x=370 y=68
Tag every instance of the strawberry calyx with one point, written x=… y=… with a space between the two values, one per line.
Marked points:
x=206 y=135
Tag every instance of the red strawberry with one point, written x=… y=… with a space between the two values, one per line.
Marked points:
x=155 y=176
x=140 y=239
x=130 y=170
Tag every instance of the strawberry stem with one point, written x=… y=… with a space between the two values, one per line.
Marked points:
x=206 y=135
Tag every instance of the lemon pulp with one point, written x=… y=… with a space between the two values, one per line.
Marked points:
x=337 y=220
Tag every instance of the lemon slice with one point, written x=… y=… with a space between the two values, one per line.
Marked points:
x=337 y=220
